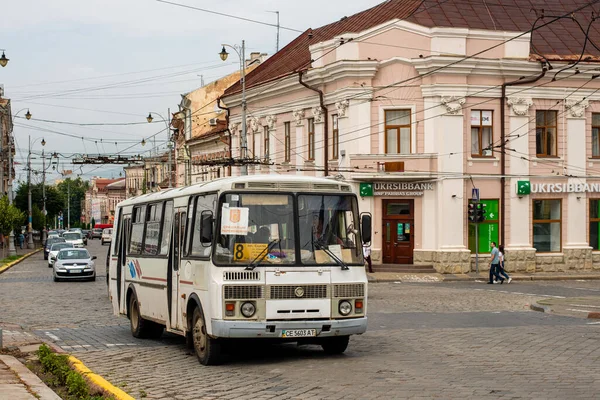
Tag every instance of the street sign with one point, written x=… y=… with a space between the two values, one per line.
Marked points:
x=475 y=194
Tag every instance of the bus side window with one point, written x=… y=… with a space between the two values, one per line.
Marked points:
x=137 y=230
x=167 y=223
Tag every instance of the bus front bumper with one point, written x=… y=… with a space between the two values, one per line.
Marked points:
x=275 y=329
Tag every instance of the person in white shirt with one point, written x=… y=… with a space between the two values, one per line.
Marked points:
x=501 y=270
x=367 y=254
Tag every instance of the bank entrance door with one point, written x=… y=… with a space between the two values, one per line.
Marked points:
x=398 y=231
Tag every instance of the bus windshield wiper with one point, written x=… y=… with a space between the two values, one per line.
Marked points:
x=261 y=256
x=320 y=246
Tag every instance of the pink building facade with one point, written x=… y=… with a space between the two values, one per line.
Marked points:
x=416 y=107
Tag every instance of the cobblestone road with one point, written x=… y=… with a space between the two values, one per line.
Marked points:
x=438 y=340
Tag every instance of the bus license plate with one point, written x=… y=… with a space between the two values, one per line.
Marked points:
x=290 y=333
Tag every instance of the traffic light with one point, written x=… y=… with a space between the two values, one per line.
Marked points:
x=481 y=212
x=472 y=213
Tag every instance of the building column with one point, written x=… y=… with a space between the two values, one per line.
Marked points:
x=576 y=249
x=298 y=151
x=320 y=150
x=519 y=254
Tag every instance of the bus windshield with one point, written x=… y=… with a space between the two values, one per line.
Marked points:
x=262 y=227
x=256 y=226
x=328 y=226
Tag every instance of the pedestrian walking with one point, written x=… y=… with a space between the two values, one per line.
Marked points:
x=501 y=270
x=367 y=255
x=495 y=265
x=21 y=240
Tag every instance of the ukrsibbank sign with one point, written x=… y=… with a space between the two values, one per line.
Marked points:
x=400 y=188
x=565 y=187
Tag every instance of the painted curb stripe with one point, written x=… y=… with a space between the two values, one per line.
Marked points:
x=96 y=379
x=13 y=263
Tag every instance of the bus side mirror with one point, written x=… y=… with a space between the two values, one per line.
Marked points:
x=206 y=226
x=365 y=226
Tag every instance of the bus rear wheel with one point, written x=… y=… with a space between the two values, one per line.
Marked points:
x=208 y=350
x=140 y=327
x=335 y=345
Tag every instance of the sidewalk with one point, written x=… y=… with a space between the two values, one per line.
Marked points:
x=19 y=383
x=482 y=276
x=24 y=252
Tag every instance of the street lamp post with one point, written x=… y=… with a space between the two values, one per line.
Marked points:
x=29 y=207
x=149 y=118
x=241 y=52
x=11 y=245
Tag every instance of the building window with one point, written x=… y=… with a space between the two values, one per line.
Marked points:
x=253 y=144
x=397 y=132
x=487 y=231
x=311 y=139
x=545 y=133
x=266 y=142
x=547 y=225
x=596 y=135
x=595 y=224
x=481 y=133
x=336 y=137
x=287 y=141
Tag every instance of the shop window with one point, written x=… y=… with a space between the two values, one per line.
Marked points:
x=287 y=141
x=547 y=225
x=487 y=231
x=545 y=133
x=595 y=224
x=481 y=133
x=596 y=135
x=336 y=137
x=397 y=131
x=311 y=139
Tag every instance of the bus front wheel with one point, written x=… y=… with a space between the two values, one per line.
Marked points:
x=140 y=327
x=208 y=350
x=335 y=345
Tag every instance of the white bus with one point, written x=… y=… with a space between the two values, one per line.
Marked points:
x=263 y=256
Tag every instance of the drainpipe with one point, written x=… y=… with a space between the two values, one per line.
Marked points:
x=325 y=127
x=227 y=121
x=503 y=144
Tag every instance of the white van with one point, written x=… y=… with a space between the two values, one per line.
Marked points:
x=106 y=235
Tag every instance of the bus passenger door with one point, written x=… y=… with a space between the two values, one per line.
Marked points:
x=123 y=240
x=175 y=263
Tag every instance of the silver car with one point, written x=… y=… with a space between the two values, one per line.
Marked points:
x=74 y=264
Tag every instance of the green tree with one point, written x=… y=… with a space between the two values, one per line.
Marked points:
x=10 y=217
x=54 y=199
x=77 y=189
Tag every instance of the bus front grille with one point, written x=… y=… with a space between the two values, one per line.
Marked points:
x=349 y=290
x=239 y=292
x=298 y=292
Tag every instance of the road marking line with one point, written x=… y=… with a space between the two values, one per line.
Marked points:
x=591 y=290
x=52 y=336
x=583 y=305
x=594 y=323
x=575 y=309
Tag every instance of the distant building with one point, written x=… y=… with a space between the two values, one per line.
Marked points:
x=6 y=127
x=101 y=199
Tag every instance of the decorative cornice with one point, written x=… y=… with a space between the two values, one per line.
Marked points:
x=233 y=127
x=298 y=116
x=576 y=107
x=252 y=124
x=317 y=112
x=519 y=105
x=342 y=107
x=453 y=104
x=271 y=120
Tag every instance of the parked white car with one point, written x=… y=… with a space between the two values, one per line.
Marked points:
x=73 y=238
x=54 y=249
x=74 y=264
x=107 y=235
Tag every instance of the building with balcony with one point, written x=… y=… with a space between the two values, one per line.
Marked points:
x=418 y=103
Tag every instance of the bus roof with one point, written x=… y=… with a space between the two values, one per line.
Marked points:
x=256 y=182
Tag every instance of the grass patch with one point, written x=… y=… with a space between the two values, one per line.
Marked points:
x=10 y=259
x=55 y=371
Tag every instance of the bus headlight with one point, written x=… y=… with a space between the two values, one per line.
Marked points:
x=345 y=307
x=248 y=309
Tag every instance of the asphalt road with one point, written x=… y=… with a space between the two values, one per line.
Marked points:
x=428 y=340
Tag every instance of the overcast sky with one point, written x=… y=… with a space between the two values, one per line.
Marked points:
x=113 y=61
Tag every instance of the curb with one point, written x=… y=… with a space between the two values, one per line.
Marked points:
x=514 y=278
x=97 y=380
x=29 y=379
x=11 y=264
